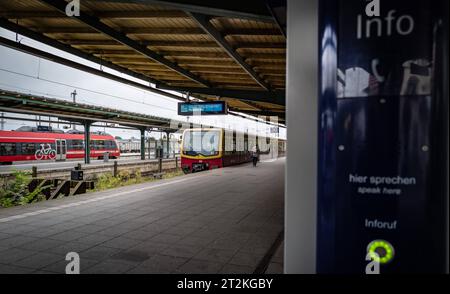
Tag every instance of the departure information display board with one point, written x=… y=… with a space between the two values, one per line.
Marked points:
x=202 y=108
x=381 y=199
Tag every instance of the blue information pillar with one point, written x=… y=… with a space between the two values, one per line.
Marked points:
x=383 y=137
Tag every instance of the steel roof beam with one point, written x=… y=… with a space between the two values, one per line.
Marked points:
x=127 y=31
x=58 y=45
x=280 y=115
x=91 y=42
x=18 y=14
x=256 y=119
x=203 y=22
x=66 y=121
x=196 y=44
x=158 y=31
x=30 y=50
x=123 y=14
x=278 y=10
x=74 y=117
x=250 y=32
x=201 y=69
x=78 y=111
x=95 y=23
x=181 y=54
x=252 y=10
x=274 y=97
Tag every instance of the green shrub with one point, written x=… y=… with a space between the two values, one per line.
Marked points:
x=173 y=174
x=124 y=175
x=15 y=191
x=126 y=178
x=107 y=181
x=138 y=177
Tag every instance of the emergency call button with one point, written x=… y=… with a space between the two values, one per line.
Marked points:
x=381 y=251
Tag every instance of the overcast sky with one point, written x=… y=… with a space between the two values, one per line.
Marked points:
x=28 y=74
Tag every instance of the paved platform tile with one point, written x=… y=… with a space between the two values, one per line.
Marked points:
x=220 y=221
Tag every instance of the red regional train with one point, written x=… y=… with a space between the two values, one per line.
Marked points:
x=35 y=146
x=212 y=153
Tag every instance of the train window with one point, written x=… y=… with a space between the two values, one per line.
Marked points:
x=202 y=142
x=75 y=144
x=113 y=145
x=110 y=144
x=28 y=148
x=97 y=144
x=100 y=144
x=79 y=145
x=8 y=149
x=240 y=142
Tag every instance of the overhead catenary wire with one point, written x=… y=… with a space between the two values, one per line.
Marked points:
x=81 y=88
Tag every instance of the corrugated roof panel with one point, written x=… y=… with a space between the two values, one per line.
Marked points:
x=30 y=5
x=117 y=6
x=51 y=22
x=118 y=46
x=151 y=22
x=164 y=38
x=172 y=34
x=224 y=23
x=256 y=39
x=74 y=36
x=244 y=51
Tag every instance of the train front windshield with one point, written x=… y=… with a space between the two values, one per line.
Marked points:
x=205 y=142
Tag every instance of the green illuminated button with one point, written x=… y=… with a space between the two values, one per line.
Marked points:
x=381 y=251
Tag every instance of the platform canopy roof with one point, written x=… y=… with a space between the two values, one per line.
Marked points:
x=36 y=105
x=228 y=50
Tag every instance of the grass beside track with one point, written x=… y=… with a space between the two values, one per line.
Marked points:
x=107 y=181
x=14 y=191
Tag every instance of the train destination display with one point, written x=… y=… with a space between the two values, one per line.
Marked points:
x=202 y=108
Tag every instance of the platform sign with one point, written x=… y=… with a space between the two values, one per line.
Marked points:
x=44 y=129
x=203 y=108
x=381 y=197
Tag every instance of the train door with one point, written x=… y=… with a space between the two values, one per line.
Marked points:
x=61 y=149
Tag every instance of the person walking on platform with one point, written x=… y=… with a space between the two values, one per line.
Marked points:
x=255 y=155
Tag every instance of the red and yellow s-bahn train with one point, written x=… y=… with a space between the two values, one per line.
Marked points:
x=33 y=146
x=204 y=149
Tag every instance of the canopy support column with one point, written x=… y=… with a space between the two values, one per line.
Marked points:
x=142 y=143
x=87 y=142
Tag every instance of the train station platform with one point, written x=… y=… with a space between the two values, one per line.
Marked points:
x=222 y=221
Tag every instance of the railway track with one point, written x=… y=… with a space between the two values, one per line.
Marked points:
x=92 y=171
